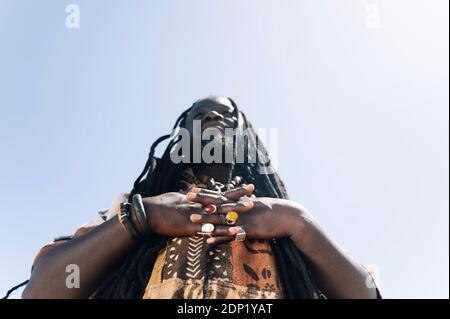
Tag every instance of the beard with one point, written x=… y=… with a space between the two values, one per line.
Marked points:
x=220 y=149
x=214 y=147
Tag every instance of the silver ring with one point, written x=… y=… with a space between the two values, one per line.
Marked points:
x=240 y=234
x=206 y=229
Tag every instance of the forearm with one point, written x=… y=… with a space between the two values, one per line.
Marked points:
x=335 y=271
x=95 y=253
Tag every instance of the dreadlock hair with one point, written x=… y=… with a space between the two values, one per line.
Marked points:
x=130 y=277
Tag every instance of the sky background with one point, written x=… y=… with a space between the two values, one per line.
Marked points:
x=357 y=89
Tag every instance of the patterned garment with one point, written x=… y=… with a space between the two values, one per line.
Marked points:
x=190 y=268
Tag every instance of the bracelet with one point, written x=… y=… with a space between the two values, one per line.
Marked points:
x=125 y=221
x=138 y=210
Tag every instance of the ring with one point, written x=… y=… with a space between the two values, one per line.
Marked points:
x=210 y=209
x=240 y=234
x=231 y=217
x=206 y=229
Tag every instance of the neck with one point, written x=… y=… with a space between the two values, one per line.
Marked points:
x=220 y=172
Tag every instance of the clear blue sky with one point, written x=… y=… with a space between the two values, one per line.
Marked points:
x=361 y=108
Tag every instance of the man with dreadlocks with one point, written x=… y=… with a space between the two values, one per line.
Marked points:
x=202 y=229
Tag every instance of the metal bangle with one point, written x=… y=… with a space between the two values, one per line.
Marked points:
x=137 y=208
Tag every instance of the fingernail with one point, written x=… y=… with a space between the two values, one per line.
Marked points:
x=250 y=187
x=232 y=230
x=196 y=217
x=247 y=204
x=190 y=196
x=210 y=240
x=196 y=190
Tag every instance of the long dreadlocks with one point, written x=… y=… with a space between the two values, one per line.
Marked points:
x=130 y=278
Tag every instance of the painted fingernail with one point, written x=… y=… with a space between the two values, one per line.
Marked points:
x=196 y=190
x=232 y=230
x=191 y=196
x=196 y=217
x=210 y=240
x=250 y=187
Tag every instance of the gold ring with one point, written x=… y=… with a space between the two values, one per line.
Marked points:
x=231 y=217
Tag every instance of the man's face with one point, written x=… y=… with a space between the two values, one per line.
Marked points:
x=211 y=123
x=214 y=112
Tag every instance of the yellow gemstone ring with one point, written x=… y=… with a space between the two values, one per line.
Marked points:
x=231 y=218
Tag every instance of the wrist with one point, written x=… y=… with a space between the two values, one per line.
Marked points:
x=149 y=205
x=300 y=225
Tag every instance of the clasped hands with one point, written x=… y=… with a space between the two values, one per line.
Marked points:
x=176 y=215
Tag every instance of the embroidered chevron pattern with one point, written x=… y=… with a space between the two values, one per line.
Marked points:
x=194 y=252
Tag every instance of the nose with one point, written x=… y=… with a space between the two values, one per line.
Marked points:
x=213 y=116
